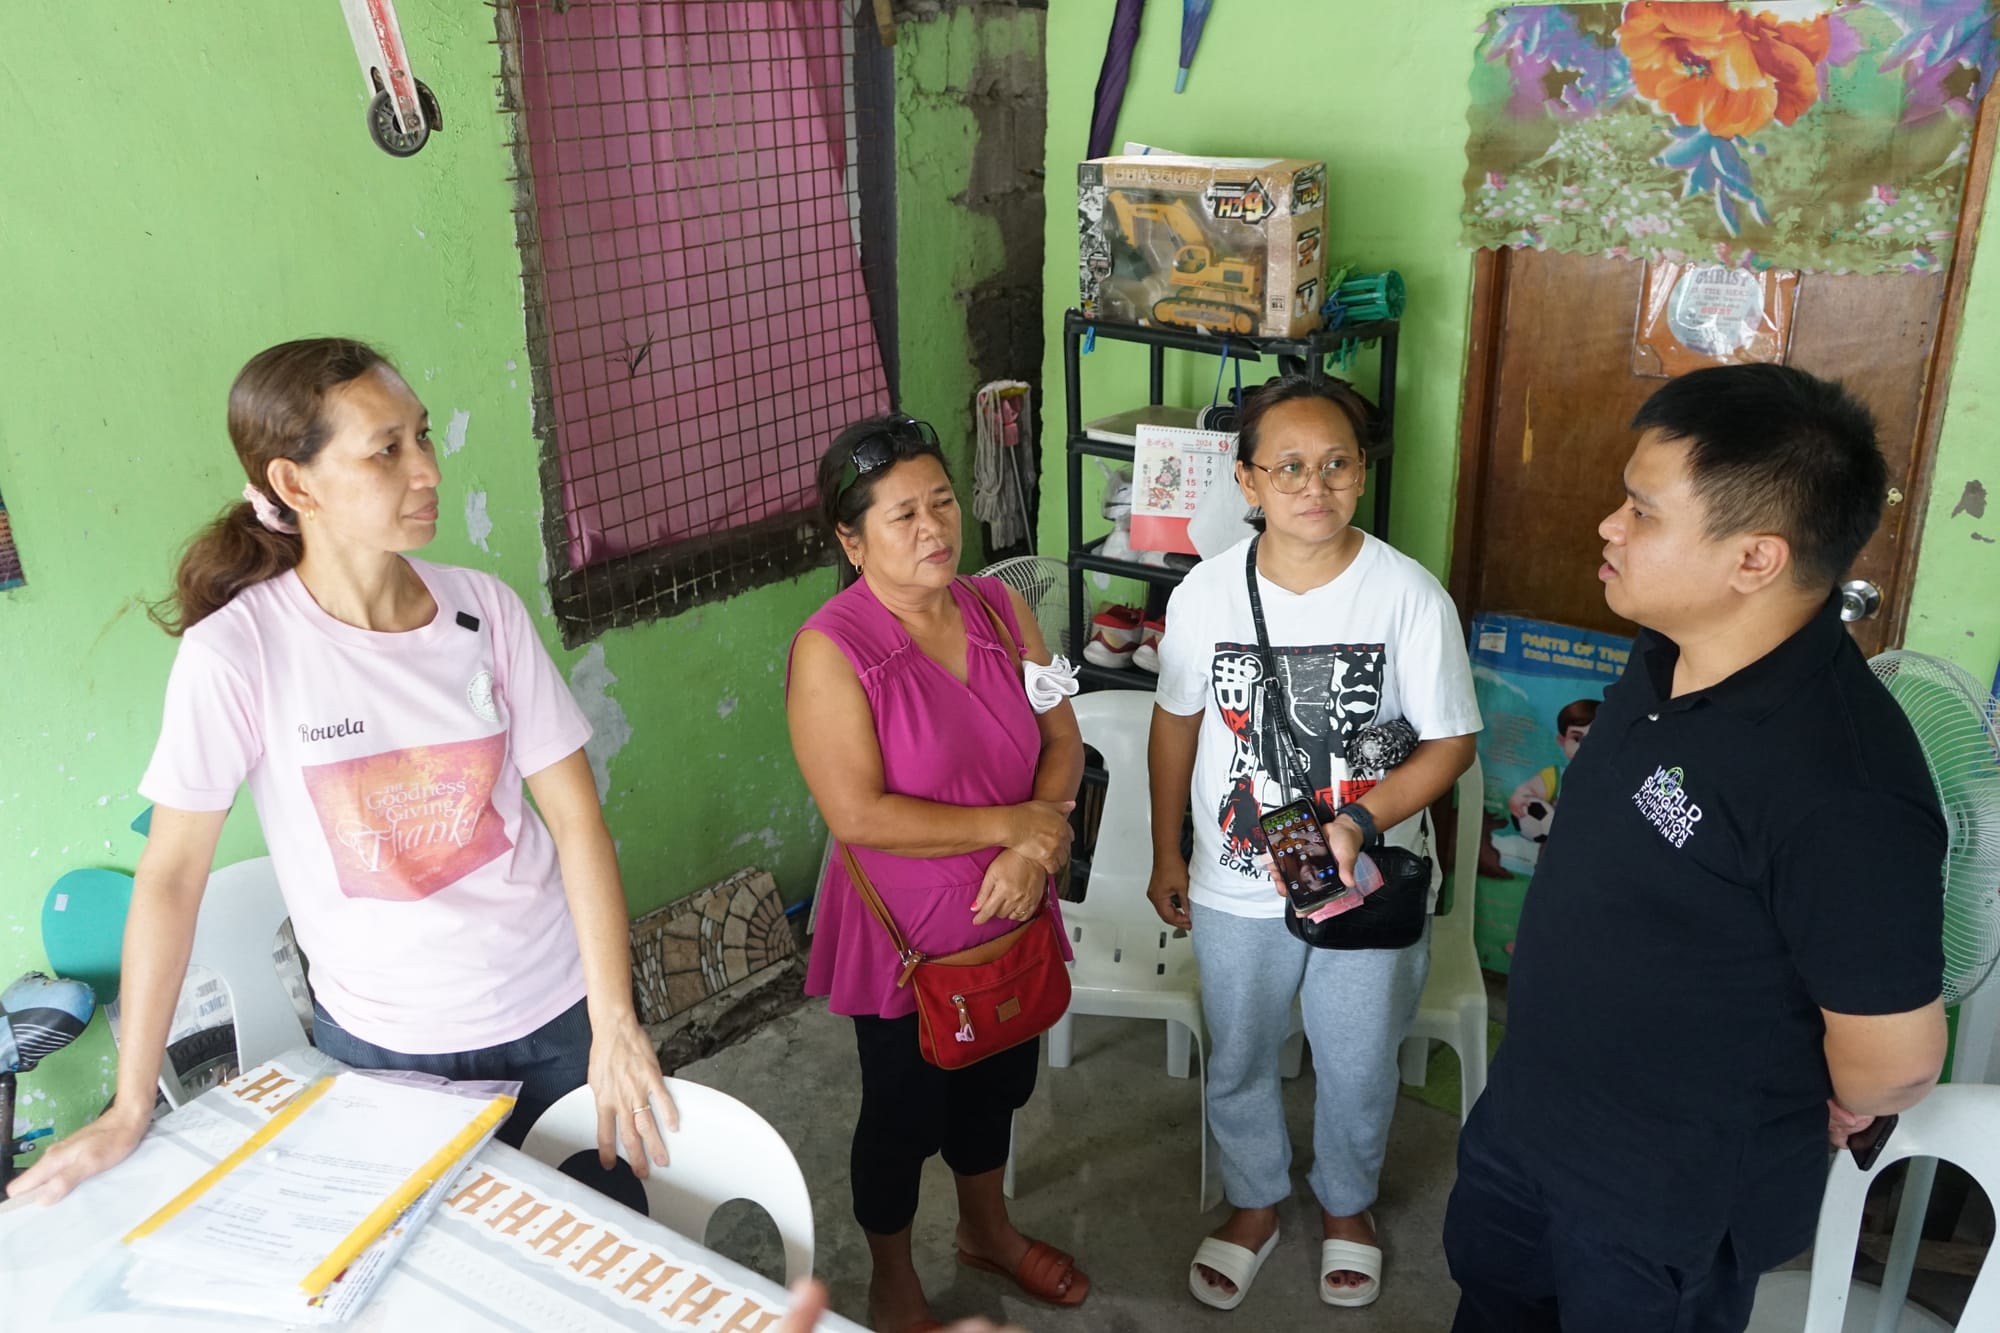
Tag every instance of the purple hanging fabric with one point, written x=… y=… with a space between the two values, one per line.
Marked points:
x=1111 y=78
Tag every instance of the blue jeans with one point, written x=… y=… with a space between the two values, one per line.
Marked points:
x=549 y=1062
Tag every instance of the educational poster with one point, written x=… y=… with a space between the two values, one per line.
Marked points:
x=10 y=559
x=1539 y=686
x=1172 y=469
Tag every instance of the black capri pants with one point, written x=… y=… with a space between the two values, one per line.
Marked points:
x=911 y=1109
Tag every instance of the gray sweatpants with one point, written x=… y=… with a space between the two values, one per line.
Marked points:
x=1357 y=1005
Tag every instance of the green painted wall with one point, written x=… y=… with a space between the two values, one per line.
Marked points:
x=187 y=183
x=1955 y=608
x=154 y=239
x=1372 y=89
x=1379 y=91
x=950 y=191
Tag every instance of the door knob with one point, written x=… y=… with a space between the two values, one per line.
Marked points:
x=1859 y=600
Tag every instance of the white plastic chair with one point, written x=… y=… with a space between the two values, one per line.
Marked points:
x=234 y=935
x=1128 y=963
x=1959 y=1122
x=1453 y=1008
x=723 y=1151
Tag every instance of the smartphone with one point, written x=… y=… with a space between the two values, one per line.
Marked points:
x=1867 y=1143
x=1304 y=862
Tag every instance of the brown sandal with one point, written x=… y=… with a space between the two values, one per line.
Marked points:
x=1045 y=1273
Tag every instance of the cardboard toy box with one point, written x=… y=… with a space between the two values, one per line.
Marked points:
x=1231 y=245
x=1539 y=686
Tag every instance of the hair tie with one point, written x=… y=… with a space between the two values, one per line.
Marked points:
x=267 y=512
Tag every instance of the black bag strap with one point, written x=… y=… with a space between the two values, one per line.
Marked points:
x=1015 y=651
x=1278 y=705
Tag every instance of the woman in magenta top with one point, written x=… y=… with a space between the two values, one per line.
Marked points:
x=914 y=731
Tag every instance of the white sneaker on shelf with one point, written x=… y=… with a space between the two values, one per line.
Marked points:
x=1114 y=637
x=1147 y=655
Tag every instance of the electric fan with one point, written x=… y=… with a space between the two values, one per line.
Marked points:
x=1955 y=723
x=1044 y=585
x=39 y=1016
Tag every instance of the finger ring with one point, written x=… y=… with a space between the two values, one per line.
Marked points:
x=641 y=1110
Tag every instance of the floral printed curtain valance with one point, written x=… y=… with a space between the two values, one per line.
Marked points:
x=1800 y=134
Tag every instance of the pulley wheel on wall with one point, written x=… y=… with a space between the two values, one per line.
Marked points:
x=392 y=138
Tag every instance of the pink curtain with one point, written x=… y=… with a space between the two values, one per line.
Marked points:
x=709 y=330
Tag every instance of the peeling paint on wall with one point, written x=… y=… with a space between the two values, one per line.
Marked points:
x=478 y=527
x=727 y=706
x=971 y=101
x=1972 y=500
x=590 y=681
x=454 y=434
x=767 y=836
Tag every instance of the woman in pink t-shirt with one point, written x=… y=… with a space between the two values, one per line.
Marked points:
x=927 y=760
x=386 y=714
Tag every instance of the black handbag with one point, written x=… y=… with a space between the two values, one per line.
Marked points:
x=1393 y=916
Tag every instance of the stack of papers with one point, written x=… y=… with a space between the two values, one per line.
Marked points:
x=304 y=1218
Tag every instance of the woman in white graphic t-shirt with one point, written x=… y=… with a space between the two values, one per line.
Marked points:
x=387 y=714
x=1365 y=637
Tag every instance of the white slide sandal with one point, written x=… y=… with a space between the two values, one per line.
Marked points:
x=1235 y=1263
x=1347 y=1256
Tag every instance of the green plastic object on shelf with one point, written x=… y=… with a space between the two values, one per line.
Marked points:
x=1363 y=298
x=1359 y=298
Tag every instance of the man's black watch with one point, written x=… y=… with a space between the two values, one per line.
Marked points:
x=1370 y=835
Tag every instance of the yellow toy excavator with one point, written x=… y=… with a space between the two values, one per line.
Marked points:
x=1224 y=295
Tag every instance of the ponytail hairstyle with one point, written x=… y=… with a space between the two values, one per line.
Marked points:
x=277 y=409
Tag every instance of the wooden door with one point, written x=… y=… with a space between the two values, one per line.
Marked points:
x=1548 y=439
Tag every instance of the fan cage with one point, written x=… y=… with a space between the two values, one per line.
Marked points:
x=1043 y=585
x=1955 y=723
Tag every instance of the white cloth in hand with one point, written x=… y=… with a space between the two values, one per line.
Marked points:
x=1048 y=685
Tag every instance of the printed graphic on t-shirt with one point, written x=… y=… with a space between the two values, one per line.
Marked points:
x=479 y=696
x=404 y=824
x=1334 y=690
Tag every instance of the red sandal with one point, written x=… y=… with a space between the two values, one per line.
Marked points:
x=1045 y=1273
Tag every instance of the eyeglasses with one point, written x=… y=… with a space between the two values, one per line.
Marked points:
x=878 y=450
x=1339 y=473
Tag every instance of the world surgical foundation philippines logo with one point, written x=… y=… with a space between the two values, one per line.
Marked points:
x=1663 y=799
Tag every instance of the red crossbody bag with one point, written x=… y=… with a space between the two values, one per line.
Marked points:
x=994 y=996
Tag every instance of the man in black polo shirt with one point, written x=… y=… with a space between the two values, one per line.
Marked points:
x=1733 y=947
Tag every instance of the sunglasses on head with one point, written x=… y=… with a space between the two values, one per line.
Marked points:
x=878 y=450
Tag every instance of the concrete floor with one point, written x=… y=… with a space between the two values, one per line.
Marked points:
x=1107 y=1162
x=1107 y=1165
